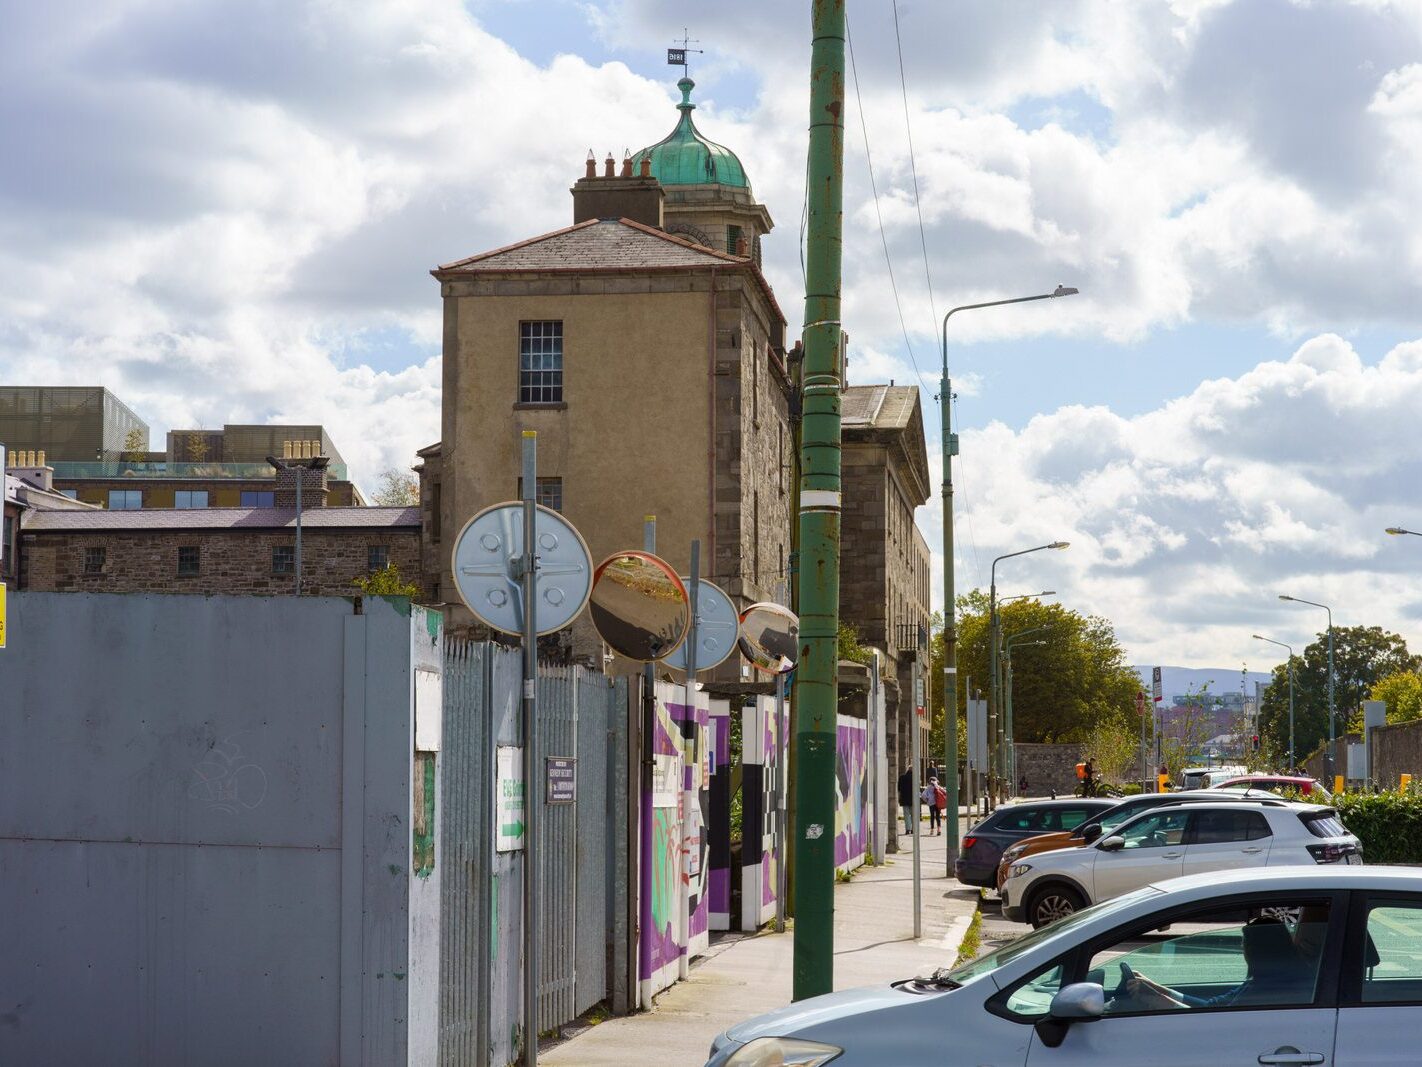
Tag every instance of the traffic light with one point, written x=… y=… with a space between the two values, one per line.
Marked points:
x=1256 y=742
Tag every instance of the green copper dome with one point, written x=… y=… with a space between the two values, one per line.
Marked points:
x=684 y=157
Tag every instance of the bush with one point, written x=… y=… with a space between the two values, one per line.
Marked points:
x=1389 y=825
x=1131 y=789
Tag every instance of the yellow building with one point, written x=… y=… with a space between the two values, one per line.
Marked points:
x=645 y=347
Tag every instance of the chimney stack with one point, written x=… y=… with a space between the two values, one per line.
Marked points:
x=610 y=170
x=592 y=165
x=634 y=194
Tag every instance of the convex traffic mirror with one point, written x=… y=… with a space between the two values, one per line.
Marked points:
x=639 y=606
x=770 y=638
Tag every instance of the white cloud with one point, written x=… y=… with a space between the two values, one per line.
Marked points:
x=1186 y=521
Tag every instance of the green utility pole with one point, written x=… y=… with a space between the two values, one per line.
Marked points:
x=816 y=683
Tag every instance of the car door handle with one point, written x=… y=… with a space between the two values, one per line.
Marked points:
x=1287 y=1055
x=1171 y=855
x=1251 y=851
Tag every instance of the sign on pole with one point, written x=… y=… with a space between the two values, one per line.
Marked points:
x=509 y=814
x=561 y=776
x=1155 y=684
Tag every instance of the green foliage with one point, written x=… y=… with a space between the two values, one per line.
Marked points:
x=385 y=582
x=1389 y=825
x=1363 y=656
x=1061 y=690
x=1402 y=692
x=849 y=646
x=396 y=489
x=1112 y=748
x=1131 y=789
x=134 y=446
x=972 y=942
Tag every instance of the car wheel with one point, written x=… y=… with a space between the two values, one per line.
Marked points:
x=1052 y=903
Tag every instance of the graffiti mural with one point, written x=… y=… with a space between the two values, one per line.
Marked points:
x=718 y=824
x=760 y=853
x=851 y=786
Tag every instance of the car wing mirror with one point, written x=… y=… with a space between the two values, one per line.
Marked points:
x=1091 y=833
x=1114 y=843
x=1079 y=1002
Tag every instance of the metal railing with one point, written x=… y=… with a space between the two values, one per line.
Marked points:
x=911 y=637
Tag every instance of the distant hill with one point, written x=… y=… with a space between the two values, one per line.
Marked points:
x=1176 y=680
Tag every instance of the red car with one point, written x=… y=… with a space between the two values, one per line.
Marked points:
x=1275 y=783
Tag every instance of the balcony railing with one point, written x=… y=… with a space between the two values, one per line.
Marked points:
x=911 y=637
x=67 y=470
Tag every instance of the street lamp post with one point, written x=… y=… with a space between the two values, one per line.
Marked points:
x=1281 y=644
x=949 y=445
x=1011 y=759
x=996 y=763
x=1332 y=770
x=1397 y=531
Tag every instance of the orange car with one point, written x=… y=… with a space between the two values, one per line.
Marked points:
x=1106 y=821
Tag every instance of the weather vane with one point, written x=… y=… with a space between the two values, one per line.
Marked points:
x=676 y=57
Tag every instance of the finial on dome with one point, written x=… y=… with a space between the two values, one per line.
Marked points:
x=686 y=85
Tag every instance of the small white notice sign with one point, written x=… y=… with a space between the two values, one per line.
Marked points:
x=509 y=798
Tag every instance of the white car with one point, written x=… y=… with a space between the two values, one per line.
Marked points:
x=1175 y=975
x=1169 y=842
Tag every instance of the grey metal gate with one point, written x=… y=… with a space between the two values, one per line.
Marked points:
x=581 y=715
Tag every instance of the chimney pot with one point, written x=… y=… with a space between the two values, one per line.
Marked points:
x=646 y=168
x=627 y=166
x=609 y=167
x=591 y=165
x=30 y=458
x=40 y=456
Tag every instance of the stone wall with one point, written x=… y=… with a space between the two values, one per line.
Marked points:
x=1397 y=750
x=230 y=561
x=1054 y=766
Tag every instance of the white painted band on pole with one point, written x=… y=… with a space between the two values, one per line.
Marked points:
x=819 y=500
x=950 y=670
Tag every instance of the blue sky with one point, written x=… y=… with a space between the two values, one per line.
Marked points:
x=228 y=211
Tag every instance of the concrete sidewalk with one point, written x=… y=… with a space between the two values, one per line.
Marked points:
x=744 y=975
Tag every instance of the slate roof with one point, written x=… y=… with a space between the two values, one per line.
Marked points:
x=340 y=518
x=879 y=407
x=597 y=244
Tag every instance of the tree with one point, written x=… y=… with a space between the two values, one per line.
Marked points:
x=135 y=446
x=1112 y=748
x=1402 y=692
x=398 y=489
x=1062 y=689
x=1363 y=656
x=1183 y=734
x=195 y=447
x=386 y=582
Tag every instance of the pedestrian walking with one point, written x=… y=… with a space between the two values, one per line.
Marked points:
x=930 y=801
x=906 y=798
x=940 y=805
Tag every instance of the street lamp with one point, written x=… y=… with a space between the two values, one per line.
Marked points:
x=1281 y=644
x=300 y=465
x=994 y=698
x=1332 y=770
x=1398 y=530
x=949 y=445
x=1028 y=596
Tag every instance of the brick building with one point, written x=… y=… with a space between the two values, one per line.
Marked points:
x=216 y=550
x=884 y=561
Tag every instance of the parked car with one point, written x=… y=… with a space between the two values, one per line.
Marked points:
x=984 y=843
x=1170 y=842
x=1278 y=965
x=1105 y=822
x=1275 y=783
x=1201 y=777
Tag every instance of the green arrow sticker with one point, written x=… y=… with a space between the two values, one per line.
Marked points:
x=513 y=829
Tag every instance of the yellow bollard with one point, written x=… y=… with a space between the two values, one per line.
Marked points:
x=1338 y=783
x=1403 y=783
x=1160 y=782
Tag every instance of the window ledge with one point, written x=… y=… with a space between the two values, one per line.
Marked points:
x=556 y=405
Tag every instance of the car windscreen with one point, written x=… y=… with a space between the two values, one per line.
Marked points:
x=971 y=972
x=1324 y=824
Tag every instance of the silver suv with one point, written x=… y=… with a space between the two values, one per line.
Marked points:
x=1170 y=842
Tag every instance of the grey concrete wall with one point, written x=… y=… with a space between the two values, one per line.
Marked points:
x=205 y=833
x=1397 y=750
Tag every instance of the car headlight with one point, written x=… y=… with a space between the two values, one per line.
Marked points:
x=1013 y=852
x=782 y=1052
x=1019 y=869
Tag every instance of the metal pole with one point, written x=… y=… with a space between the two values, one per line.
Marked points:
x=816 y=680
x=1011 y=775
x=532 y=780
x=484 y=853
x=992 y=688
x=949 y=448
x=690 y=756
x=971 y=738
x=917 y=829
x=1292 y=760
x=780 y=784
x=1332 y=721
x=644 y=822
x=300 y=477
